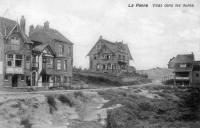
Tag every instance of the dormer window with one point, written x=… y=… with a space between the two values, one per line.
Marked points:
x=60 y=50
x=183 y=65
x=14 y=40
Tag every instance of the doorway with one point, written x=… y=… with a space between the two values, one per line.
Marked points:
x=33 y=78
x=14 y=80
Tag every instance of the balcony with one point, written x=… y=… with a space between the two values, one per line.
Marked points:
x=14 y=70
x=10 y=47
x=182 y=78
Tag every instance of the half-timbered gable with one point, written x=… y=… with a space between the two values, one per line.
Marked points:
x=106 y=56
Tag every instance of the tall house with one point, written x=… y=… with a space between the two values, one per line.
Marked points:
x=109 y=57
x=15 y=54
x=52 y=56
x=183 y=69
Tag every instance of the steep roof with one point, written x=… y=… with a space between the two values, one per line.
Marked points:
x=40 y=48
x=114 y=47
x=184 y=58
x=40 y=34
x=8 y=25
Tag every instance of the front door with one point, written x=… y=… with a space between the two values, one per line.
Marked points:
x=14 y=80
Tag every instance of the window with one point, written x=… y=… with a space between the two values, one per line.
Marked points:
x=95 y=57
x=97 y=67
x=197 y=74
x=108 y=66
x=22 y=77
x=6 y=77
x=49 y=62
x=60 y=50
x=123 y=58
x=119 y=57
x=58 y=79
x=65 y=65
x=65 y=79
x=98 y=46
x=183 y=65
x=15 y=40
x=69 y=51
x=28 y=58
x=10 y=60
x=18 y=61
x=58 y=64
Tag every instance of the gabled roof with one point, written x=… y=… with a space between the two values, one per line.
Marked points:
x=40 y=34
x=7 y=26
x=114 y=47
x=40 y=48
x=184 y=58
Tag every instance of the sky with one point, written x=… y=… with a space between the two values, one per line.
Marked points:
x=154 y=35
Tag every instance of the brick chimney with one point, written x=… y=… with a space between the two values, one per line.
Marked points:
x=22 y=24
x=31 y=29
x=46 y=25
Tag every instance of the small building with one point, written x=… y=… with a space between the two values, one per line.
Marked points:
x=109 y=57
x=52 y=57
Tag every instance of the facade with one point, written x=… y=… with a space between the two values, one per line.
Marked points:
x=109 y=57
x=44 y=58
x=15 y=50
x=186 y=70
x=52 y=57
x=183 y=69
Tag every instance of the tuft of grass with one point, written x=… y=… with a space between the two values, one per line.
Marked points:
x=52 y=103
x=26 y=123
x=65 y=100
x=78 y=94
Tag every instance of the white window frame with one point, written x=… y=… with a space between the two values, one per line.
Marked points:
x=60 y=50
x=59 y=65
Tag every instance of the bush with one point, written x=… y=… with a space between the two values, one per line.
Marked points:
x=65 y=100
x=52 y=104
x=26 y=123
x=78 y=94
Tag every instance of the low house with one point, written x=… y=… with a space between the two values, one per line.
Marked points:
x=15 y=54
x=109 y=57
x=52 y=57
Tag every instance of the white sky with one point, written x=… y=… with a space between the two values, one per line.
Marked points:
x=154 y=35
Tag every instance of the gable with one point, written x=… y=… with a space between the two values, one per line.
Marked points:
x=48 y=52
x=104 y=49
x=94 y=49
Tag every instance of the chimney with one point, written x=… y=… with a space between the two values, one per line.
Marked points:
x=31 y=29
x=101 y=37
x=22 y=24
x=46 y=25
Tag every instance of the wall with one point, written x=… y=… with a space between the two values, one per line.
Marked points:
x=196 y=78
x=1 y=60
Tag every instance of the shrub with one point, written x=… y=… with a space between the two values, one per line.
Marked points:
x=52 y=104
x=26 y=123
x=65 y=100
x=78 y=94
